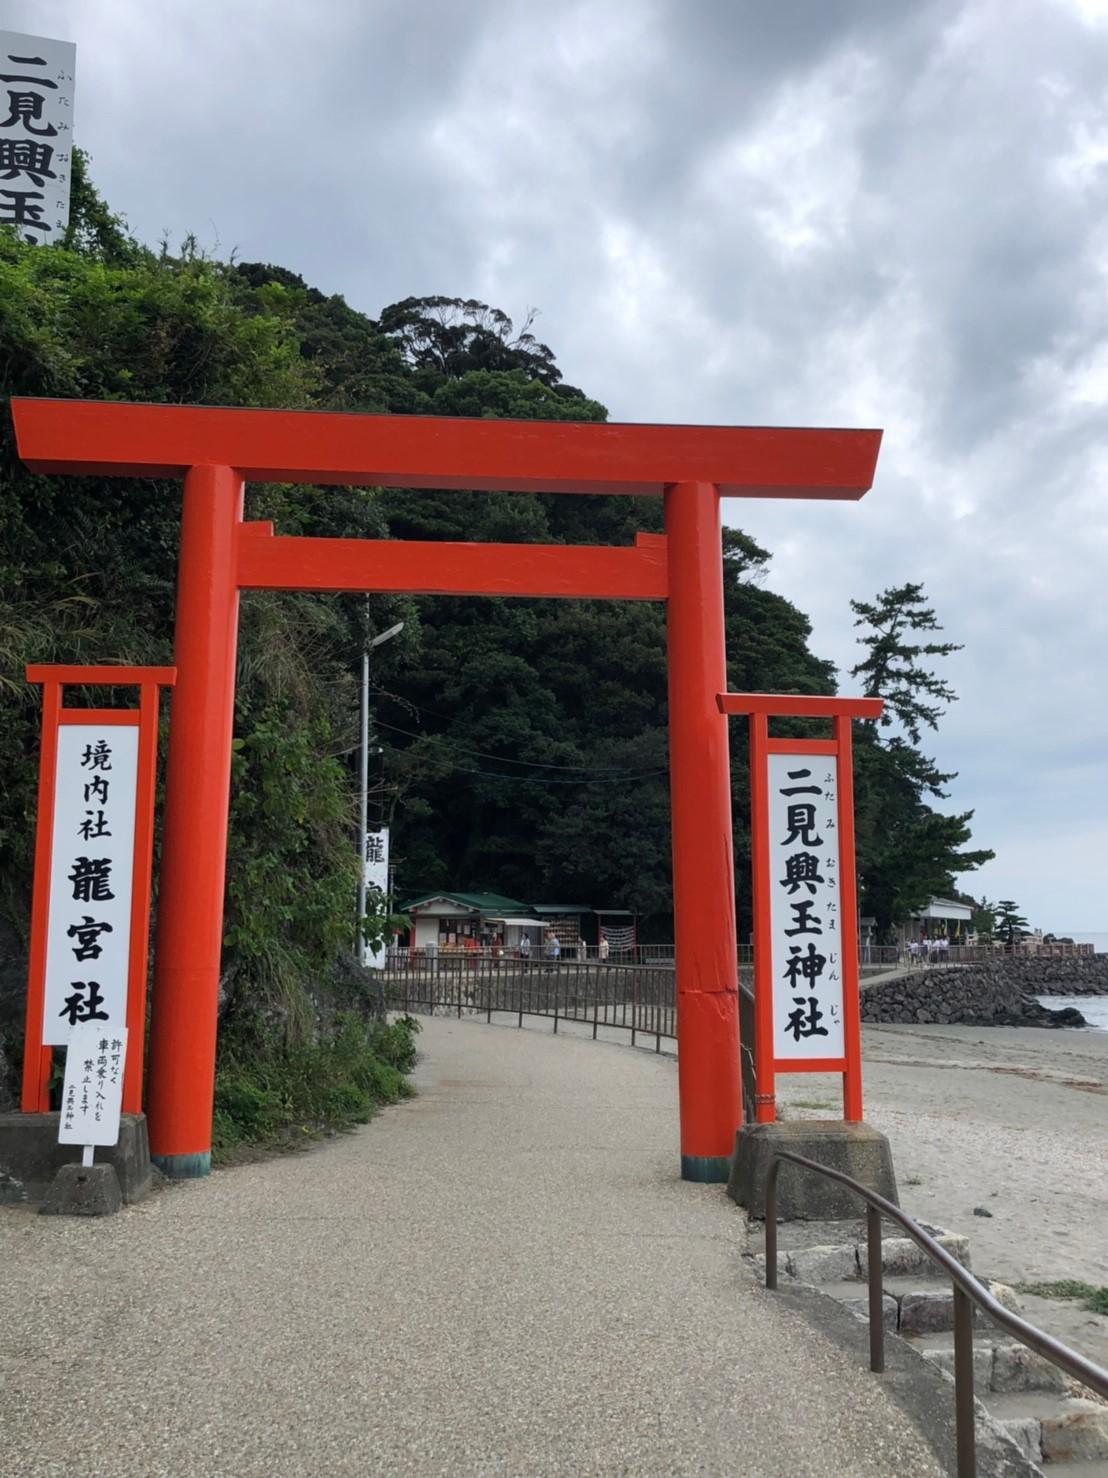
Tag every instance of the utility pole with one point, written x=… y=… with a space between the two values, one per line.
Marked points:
x=363 y=792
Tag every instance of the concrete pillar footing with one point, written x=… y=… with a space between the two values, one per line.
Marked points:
x=83 y=1190
x=856 y=1150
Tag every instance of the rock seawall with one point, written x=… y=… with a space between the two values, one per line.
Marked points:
x=997 y=992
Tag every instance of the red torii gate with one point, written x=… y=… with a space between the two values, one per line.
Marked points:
x=217 y=451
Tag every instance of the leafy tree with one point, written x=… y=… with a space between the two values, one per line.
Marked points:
x=983 y=921
x=1010 y=923
x=907 y=850
x=892 y=668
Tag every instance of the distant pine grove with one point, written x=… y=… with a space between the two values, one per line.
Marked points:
x=523 y=742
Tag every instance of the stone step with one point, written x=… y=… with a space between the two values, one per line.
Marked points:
x=1001 y=1366
x=842 y=1254
x=1053 y=1429
x=919 y=1310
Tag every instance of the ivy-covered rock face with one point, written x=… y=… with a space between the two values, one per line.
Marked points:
x=523 y=743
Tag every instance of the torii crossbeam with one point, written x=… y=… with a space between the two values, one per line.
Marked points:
x=217 y=451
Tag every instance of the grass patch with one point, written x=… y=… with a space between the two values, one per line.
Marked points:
x=913 y=1180
x=1091 y=1297
x=811 y=1103
x=273 y=1095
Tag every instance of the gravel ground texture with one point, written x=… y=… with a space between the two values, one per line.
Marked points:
x=503 y=1276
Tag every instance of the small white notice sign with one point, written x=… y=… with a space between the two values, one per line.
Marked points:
x=88 y=940
x=92 y=1095
x=805 y=907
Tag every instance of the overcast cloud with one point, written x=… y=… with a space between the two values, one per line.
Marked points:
x=798 y=212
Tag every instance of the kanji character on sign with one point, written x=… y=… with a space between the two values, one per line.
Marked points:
x=801 y=871
x=799 y=789
x=804 y=920
x=805 y=1021
x=90 y=878
x=26 y=109
x=15 y=211
x=801 y=821
x=24 y=156
x=803 y=966
x=93 y=826
x=79 y=1008
x=96 y=756
x=86 y=933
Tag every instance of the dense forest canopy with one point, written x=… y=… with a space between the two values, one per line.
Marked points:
x=524 y=742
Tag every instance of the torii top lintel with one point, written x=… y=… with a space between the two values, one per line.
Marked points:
x=118 y=439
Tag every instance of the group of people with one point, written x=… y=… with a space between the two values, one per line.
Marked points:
x=930 y=951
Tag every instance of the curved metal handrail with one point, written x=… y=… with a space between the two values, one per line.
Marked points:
x=968 y=1291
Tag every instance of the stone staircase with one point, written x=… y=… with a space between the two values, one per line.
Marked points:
x=1058 y=1425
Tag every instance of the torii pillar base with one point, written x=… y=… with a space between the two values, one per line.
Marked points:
x=857 y=1150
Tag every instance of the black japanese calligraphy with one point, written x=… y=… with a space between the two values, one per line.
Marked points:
x=800 y=966
x=79 y=1007
x=90 y=878
x=96 y=756
x=87 y=933
x=805 y=1020
x=801 y=871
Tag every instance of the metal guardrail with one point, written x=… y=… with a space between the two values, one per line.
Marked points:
x=640 y=999
x=968 y=1292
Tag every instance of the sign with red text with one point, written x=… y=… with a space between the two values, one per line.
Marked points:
x=805 y=907
x=88 y=935
x=36 y=135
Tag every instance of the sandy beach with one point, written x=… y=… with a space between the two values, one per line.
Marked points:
x=1013 y=1120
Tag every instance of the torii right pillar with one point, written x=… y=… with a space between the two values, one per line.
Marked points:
x=708 y=1070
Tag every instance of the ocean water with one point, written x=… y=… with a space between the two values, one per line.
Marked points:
x=1093 y=1008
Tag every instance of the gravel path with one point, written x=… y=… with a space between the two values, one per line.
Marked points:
x=503 y=1276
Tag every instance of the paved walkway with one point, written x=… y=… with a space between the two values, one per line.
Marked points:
x=503 y=1276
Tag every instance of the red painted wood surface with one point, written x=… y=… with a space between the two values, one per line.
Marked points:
x=119 y=439
x=194 y=832
x=706 y=957
x=426 y=568
x=799 y=705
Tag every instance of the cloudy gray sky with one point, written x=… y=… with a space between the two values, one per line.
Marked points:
x=826 y=212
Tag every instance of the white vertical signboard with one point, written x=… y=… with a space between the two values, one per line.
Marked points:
x=36 y=134
x=92 y=1094
x=805 y=907
x=376 y=885
x=88 y=934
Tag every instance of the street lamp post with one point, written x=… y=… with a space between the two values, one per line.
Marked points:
x=363 y=795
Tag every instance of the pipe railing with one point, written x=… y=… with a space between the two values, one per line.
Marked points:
x=968 y=1293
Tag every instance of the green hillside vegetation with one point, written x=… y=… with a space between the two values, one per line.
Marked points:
x=524 y=741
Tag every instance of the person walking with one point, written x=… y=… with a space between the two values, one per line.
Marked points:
x=524 y=946
x=604 y=947
x=582 y=950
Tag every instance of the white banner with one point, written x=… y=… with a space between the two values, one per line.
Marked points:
x=376 y=864
x=92 y=1093
x=805 y=907
x=36 y=134
x=88 y=933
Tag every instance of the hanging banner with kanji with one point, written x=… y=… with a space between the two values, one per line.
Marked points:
x=376 y=864
x=36 y=134
x=805 y=907
x=88 y=938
